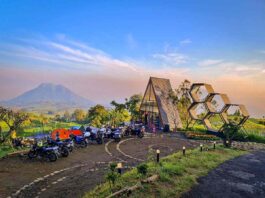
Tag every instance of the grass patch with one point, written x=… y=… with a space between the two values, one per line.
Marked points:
x=177 y=173
x=6 y=149
x=253 y=130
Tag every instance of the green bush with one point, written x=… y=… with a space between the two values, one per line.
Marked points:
x=142 y=169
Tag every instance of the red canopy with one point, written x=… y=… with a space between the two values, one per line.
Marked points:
x=64 y=133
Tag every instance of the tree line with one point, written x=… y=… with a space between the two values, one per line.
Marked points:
x=99 y=115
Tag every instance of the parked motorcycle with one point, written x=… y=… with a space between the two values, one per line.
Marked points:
x=70 y=144
x=50 y=153
x=62 y=147
x=114 y=133
x=136 y=130
x=93 y=135
x=79 y=141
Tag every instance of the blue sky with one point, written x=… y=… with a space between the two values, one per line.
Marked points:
x=119 y=42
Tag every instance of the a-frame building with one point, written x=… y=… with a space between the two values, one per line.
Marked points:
x=157 y=108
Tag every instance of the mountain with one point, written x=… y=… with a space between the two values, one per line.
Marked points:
x=48 y=97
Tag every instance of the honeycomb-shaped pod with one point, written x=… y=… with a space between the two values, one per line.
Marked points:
x=235 y=113
x=199 y=92
x=198 y=111
x=214 y=122
x=216 y=102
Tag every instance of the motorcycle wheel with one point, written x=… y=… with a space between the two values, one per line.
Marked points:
x=32 y=154
x=65 y=152
x=52 y=157
x=71 y=149
x=99 y=141
x=83 y=144
x=141 y=135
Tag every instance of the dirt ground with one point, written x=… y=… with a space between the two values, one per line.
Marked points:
x=82 y=170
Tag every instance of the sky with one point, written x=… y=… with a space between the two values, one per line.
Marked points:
x=105 y=50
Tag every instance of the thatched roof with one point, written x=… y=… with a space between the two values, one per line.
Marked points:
x=160 y=89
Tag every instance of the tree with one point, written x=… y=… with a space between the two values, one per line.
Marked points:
x=66 y=116
x=13 y=120
x=43 y=120
x=119 y=114
x=79 y=115
x=181 y=98
x=133 y=106
x=229 y=132
x=118 y=106
x=117 y=117
x=97 y=116
x=57 y=117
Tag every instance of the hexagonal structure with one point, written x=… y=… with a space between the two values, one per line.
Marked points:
x=214 y=122
x=235 y=113
x=200 y=91
x=216 y=102
x=214 y=109
x=198 y=111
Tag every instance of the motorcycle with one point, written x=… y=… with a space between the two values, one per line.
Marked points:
x=136 y=130
x=93 y=135
x=62 y=147
x=79 y=141
x=70 y=144
x=50 y=153
x=115 y=133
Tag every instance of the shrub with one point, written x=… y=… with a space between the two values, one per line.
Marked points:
x=142 y=169
x=113 y=166
x=112 y=176
x=200 y=136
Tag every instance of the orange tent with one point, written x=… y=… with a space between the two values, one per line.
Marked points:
x=64 y=133
x=76 y=132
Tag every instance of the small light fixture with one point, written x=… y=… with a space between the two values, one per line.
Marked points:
x=183 y=150
x=119 y=167
x=157 y=155
x=201 y=147
x=214 y=144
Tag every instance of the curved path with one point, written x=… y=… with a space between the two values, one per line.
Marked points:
x=240 y=177
x=81 y=171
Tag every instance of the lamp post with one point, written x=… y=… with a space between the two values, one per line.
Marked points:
x=227 y=143
x=183 y=150
x=157 y=155
x=201 y=147
x=119 y=167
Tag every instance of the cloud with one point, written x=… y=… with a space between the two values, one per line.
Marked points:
x=131 y=42
x=66 y=53
x=262 y=51
x=209 y=62
x=171 y=58
x=185 y=42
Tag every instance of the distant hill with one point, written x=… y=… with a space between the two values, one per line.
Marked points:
x=48 y=97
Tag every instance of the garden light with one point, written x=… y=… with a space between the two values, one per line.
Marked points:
x=214 y=144
x=119 y=167
x=183 y=150
x=157 y=155
x=201 y=147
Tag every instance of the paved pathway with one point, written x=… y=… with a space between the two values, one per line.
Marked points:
x=241 y=177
